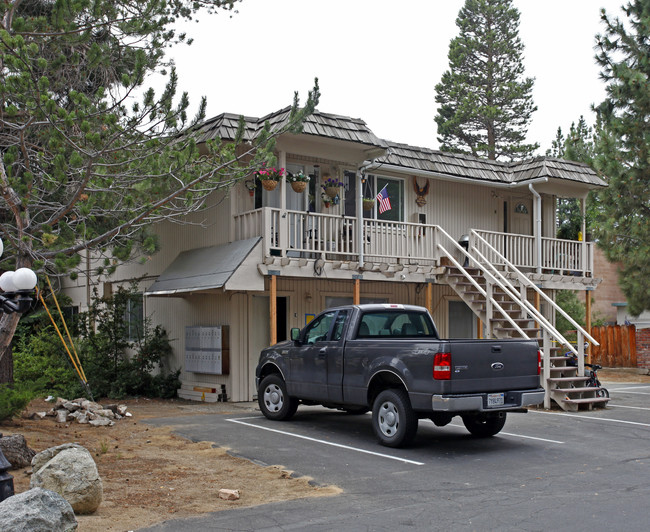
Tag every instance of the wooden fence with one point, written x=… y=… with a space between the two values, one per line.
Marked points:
x=617 y=346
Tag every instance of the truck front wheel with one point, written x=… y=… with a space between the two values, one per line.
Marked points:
x=484 y=425
x=273 y=399
x=393 y=420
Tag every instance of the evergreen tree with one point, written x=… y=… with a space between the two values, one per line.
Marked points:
x=623 y=149
x=578 y=146
x=89 y=157
x=485 y=103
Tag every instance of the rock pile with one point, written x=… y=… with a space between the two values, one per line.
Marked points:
x=84 y=411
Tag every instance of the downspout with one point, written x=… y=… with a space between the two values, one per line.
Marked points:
x=538 y=226
x=359 y=200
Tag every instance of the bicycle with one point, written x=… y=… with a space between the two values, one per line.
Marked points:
x=591 y=372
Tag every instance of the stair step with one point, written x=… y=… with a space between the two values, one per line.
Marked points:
x=567 y=379
x=563 y=368
x=590 y=400
x=575 y=390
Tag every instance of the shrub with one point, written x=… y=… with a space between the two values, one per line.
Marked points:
x=13 y=399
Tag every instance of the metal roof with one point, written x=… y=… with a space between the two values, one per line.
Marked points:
x=202 y=268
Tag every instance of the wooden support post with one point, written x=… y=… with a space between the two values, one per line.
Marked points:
x=538 y=298
x=479 y=326
x=356 y=297
x=588 y=321
x=429 y=302
x=273 y=310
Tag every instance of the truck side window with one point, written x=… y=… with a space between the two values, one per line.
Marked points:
x=318 y=329
x=338 y=325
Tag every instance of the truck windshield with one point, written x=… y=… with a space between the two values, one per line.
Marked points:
x=403 y=324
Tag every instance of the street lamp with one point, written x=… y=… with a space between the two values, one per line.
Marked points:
x=17 y=296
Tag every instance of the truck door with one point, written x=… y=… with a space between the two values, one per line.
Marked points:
x=308 y=362
x=335 y=358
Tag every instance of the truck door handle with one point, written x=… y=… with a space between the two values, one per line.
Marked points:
x=322 y=352
x=496 y=348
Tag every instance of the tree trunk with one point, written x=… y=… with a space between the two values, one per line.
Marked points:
x=16 y=451
x=7 y=367
x=8 y=324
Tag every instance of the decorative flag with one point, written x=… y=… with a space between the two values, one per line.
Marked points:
x=384 y=200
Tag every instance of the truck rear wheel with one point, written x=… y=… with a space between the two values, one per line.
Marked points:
x=484 y=425
x=274 y=400
x=393 y=420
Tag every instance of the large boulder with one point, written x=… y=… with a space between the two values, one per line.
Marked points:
x=37 y=510
x=70 y=471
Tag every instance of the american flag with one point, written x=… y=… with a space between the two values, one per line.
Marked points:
x=384 y=200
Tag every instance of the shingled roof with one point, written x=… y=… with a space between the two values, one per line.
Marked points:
x=224 y=126
x=471 y=167
x=403 y=156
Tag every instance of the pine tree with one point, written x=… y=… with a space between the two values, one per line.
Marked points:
x=485 y=103
x=623 y=149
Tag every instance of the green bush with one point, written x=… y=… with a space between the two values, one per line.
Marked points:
x=13 y=399
x=116 y=367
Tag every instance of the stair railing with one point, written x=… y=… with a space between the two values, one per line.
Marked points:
x=466 y=274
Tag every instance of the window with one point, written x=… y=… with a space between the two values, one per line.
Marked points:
x=134 y=317
x=395 y=190
x=339 y=324
x=395 y=324
x=319 y=328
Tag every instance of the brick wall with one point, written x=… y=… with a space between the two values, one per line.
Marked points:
x=643 y=348
x=608 y=291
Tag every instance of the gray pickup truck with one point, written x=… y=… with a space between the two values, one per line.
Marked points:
x=389 y=359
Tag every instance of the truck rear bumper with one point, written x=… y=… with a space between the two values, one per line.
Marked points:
x=479 y=402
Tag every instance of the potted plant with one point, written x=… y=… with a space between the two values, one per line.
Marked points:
x=298 y=181
x=368 y=204
x=326 y=199
x=269 y=177
x=331 y=186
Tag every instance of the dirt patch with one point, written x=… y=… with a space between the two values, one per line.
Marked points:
x=622 y=375
x=151 y=475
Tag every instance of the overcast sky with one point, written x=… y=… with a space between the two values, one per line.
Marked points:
x=380 y=60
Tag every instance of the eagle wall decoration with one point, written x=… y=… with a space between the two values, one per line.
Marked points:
x=421 y=192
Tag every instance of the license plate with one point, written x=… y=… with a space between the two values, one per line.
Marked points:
x=495 y=399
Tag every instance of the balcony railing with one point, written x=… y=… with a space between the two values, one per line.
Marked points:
x=315 y=235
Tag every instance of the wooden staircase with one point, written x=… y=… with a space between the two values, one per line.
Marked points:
x=500 y=298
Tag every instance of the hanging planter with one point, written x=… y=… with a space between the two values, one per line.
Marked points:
x=332 y=192
x=269 y=177
x=269 y=184
x=368 y=204
x=298 y=181
x=332 y=186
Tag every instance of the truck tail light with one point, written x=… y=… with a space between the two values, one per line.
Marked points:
x=539 y=362
x=442 y=366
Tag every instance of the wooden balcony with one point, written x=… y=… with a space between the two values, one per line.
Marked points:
x=308 y=235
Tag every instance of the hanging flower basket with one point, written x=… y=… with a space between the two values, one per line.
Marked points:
x=299 y=186
x=269 y=184
x=368 y=204
x=332 y=192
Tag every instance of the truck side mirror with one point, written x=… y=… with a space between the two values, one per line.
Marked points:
x=295 y=334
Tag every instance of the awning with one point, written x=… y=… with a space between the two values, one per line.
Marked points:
x=203 y=269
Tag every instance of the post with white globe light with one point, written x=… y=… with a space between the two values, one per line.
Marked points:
x=17 y=296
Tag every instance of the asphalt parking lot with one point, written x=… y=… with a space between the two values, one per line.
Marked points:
x=546 y=470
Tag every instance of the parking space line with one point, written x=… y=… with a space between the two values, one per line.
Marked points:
x=516 y=435
x=629 y=390
x=594 y=418
x=632 y=407
x=340 y=446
